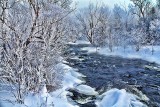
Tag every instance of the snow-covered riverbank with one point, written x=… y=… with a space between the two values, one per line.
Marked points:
x=144 y=53
x=72 y=80
x=75 y=80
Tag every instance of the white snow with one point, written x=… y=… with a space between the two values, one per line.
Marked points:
x=118 y=98
x=145 y=52
x=76 y=74
x=79 y=42
x=77 y=58
x=85 y=89
x=71 y=76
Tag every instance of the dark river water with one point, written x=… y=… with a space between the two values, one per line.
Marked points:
x=106 y=72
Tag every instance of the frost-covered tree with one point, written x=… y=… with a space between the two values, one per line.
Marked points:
x=88 y=21
x=101 y=31
x=121 y=22
x=93 y=23
x=145 y=12
x=32 y=38
x=142 y=7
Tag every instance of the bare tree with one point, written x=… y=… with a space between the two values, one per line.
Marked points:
x=142 y=6
x=88 y=22
x=93 y=23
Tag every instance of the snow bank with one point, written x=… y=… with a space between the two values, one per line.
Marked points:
x=144 y=53
x=57 y=98
x=118 y=98
x=71 y=77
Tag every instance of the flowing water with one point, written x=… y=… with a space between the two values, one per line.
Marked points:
x=107 y=72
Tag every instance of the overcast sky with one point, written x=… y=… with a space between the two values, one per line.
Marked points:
x=110 y=3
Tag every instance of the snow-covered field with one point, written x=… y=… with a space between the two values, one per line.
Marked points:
x=145 y=52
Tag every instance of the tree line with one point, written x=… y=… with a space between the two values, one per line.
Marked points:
x=134 y=24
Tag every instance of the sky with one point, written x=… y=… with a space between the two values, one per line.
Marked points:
x=110 y=3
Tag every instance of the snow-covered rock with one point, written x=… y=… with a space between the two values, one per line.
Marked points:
x=85 y=89
x=152 y=67
x=118 y=98
x=78 y=58
x=80 y=42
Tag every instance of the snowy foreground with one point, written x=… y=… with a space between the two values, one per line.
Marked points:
x=111 y=98
x=57 y=98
